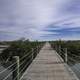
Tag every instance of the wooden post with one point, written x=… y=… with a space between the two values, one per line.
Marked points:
x=66 y=56
x=37 y=49
x=59 y=50
x=56 y=48
x=16 y=67
x=32 y=54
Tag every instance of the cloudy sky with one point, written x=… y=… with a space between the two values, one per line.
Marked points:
x=39 y=19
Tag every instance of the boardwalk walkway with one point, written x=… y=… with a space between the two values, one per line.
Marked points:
x=48 y=66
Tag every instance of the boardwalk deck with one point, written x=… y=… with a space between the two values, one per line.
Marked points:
x=48 y=66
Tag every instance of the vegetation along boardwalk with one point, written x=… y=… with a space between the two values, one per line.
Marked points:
x=48 y=65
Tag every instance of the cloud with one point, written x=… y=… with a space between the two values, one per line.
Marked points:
x=72 y=7
x=39 y=19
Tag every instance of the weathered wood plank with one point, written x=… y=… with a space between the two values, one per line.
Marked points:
x=48 y=66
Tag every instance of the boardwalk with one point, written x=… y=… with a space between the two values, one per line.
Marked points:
x=48 y=66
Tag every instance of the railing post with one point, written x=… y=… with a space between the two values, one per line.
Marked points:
x=32 y=54
x=59 y=49
x=37 y=49
x=66 y=55
x=16 y=68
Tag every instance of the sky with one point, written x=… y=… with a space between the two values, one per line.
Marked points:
x=40 y=19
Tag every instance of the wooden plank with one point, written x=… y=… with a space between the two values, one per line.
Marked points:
x=48 y=66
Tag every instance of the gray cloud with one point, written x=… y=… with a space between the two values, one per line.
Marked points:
x=28 y=18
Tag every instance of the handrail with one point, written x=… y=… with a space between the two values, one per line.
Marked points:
x=28 y=55
x=75 y=55
x=61 y=52
x=13 y=71
x=23 y=69
x=8 y=68
x=15 y=63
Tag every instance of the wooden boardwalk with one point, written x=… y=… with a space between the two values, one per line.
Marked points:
x=48 y=65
